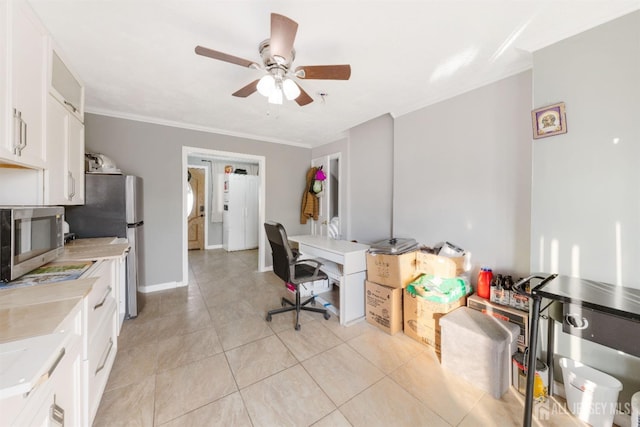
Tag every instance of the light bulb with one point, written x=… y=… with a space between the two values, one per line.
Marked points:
x=266 y=85
x=276 y=96
x=290 y=89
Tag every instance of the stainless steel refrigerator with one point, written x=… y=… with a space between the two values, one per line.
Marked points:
x=114 y=208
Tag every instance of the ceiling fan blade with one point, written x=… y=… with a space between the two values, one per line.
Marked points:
x=304 y=98
x=324 y=72
x=283 y=33
x=204 y=51
x=247 y=90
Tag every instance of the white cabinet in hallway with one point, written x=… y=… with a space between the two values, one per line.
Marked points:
x=240 y=214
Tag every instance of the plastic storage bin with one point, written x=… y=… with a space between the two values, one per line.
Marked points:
x=478 y=348
x=591 y=395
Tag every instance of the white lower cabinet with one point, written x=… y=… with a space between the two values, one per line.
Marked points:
x=63 y=386
x=100 y=334
x=55 y=398
x=58 y=402
x=102 y=353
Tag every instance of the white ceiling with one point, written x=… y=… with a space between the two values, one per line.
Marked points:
x=137 y=57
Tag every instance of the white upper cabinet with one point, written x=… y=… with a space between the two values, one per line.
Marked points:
x=64 y=175
x=23 y=58
x=66 y=87
x=4 y=69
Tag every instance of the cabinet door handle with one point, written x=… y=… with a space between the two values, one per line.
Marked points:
x=106 y=357
x=44 y=377
x=73 y=107
x=104 y=298
x=17 y=131
x=71 y=186
x=23 y=144
x=56 y=412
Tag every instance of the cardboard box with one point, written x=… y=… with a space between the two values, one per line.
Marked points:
x=384 y=307
x=509 y=314
x=395 y=271
x=422 y=318
x=440 y=266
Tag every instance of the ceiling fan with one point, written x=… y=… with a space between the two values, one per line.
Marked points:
x=277 y=55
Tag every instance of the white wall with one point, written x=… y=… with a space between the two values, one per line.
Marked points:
x=370 y=171
x=462 y=171
x=154 y=152
x=586 y=183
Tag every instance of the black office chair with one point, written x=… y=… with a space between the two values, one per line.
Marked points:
x=296 y=272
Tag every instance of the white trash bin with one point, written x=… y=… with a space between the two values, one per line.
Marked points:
x=635 y=410
x=592 y=395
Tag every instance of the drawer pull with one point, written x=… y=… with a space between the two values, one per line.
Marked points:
x=101 y=303
x=106 y=357
x=57 y=413
x=44 y=377
x=73 y=107
x=576 y=321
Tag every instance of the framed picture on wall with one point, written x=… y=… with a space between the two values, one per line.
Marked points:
x=549 y=120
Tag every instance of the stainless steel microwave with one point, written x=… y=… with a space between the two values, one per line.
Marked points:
x=30 y=236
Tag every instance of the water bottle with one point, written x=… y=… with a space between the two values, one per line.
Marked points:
x=484 y=282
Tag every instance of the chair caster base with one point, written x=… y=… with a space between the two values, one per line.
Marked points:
x=327 y=316
x=298 y=327
x=268 y=318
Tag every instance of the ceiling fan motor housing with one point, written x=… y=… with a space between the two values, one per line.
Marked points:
x=270 y=61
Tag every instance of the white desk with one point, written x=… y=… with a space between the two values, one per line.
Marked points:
x=348 y=263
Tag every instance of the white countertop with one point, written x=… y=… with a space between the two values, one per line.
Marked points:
x=36 y=310
x=94 y=249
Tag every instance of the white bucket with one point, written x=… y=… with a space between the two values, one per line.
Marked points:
x=592 y=395
x=635 y=410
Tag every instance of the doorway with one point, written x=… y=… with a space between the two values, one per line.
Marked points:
x=329 y=221
x=204 y=153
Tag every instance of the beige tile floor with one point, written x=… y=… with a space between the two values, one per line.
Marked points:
x=203 y=355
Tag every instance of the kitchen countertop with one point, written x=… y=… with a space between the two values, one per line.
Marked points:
x=94 y=249
x=38 y=310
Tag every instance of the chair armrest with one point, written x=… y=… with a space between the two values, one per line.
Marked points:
x=312 y=262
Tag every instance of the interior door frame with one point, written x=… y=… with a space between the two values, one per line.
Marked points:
x=261 y=160
x=325 y=161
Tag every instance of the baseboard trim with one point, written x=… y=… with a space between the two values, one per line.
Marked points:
x=160 y=287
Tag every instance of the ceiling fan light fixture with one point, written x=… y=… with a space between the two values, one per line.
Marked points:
x=290 y=89
x=276 y=96
x=266 y=85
